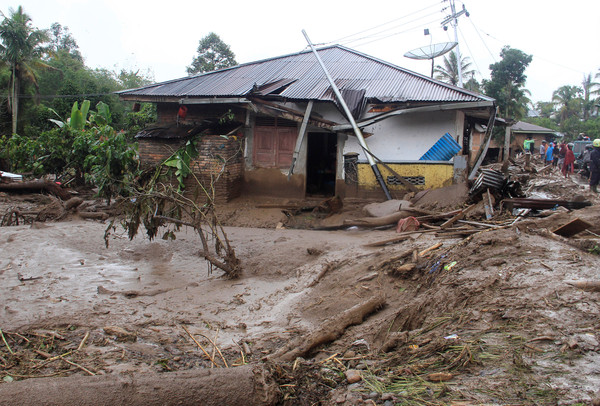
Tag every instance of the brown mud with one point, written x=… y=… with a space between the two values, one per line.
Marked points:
x=501 y=326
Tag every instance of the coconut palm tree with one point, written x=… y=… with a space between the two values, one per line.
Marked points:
x=589 y=88
x=21 y=49
x=568 y=101
x=449 y=72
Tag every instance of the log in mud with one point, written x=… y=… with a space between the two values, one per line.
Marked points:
x=246 y=385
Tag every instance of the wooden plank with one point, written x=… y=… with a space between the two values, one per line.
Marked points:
x=572 y=228
x=488 y=207
x=457 y=217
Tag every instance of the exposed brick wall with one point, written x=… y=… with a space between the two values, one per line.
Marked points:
x=153 y=151
x=220 y=162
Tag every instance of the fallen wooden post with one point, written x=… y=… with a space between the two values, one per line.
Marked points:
x=245 y=385
x=330 y=330
x=36 y=186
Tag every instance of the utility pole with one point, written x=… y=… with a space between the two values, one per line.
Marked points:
x=357 y=132
x=453 y=20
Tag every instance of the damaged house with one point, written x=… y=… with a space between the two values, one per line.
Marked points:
x=275 y=127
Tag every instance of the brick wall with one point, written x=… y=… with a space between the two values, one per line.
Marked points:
x=220 y=163
x=153 y=151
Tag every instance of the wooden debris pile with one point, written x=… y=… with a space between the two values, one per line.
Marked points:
x=55 y=209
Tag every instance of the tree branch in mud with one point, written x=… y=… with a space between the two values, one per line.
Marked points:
x=158 y=203
x=330 y=330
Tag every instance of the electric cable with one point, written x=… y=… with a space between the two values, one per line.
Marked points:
x=464 y=41
x=381 y=25
x=420 y=26
x=482 y=40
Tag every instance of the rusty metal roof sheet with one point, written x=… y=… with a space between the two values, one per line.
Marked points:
x=299 y=76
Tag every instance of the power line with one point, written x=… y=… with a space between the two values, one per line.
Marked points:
x=58 y=96
x=470 y=52
x=537 y=56
x=484 y=43
x=384 y=24
x=420 y=26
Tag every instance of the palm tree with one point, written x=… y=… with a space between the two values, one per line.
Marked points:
x=449 y=72
x=589 y=88
x=568 y=100
x=20 y=49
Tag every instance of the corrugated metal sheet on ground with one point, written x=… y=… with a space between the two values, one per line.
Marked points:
x=443 y=150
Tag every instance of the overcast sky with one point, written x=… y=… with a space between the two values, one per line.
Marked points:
x=161 y=37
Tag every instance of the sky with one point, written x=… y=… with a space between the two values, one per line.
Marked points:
x=160 y=38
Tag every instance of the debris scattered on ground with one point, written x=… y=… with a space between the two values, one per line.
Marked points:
x=481 y=304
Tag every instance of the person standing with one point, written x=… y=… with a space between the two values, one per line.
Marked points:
x=555 y=154
x=529 y=145
x=550 y=154
x=569 y=161
x=562 y=152
x=543 y=151
x=595 y=166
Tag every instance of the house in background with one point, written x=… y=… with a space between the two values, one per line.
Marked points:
x=274 y=127
x=521 y=130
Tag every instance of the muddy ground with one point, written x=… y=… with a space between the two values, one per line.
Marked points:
x=500 y=326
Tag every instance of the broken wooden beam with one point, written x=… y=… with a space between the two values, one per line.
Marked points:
x=459 y=216
x=542 y=204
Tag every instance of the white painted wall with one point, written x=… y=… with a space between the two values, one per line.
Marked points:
x=405 y=137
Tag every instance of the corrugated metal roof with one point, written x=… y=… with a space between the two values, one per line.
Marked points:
x=303 y=79
x=443 y=150
x=522 y=126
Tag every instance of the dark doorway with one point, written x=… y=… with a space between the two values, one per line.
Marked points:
x=321 y=164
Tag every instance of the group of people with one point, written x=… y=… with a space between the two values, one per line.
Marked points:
x=563 y=157
x=560 y=156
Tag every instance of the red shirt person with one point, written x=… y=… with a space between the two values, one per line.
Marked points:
x=568 y=166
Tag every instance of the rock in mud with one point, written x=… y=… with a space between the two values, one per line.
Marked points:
x=120 y=333
x=353 y=376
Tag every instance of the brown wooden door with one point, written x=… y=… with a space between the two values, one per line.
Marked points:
x=274 y=146
x=265 y=146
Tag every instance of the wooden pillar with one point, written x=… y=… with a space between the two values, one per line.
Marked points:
x=506 y=152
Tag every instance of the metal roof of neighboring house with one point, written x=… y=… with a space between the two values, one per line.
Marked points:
x=523 y=127
x=299 y=77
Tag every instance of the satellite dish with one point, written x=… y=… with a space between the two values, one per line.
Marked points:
x=431 y=51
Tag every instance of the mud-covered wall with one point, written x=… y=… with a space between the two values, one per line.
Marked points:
x=273 y=182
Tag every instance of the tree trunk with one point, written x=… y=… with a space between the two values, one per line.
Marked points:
x=15 y=99
x=246 y=385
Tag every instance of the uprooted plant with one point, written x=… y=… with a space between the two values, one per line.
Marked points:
x=158 y=205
